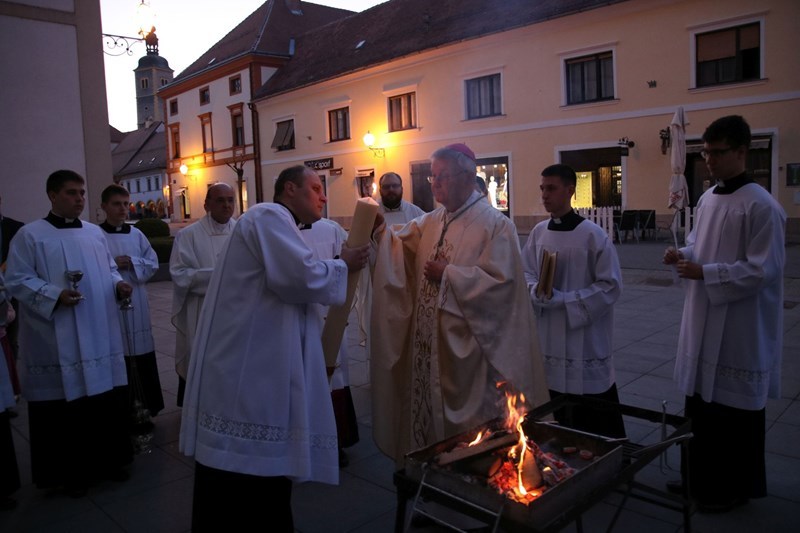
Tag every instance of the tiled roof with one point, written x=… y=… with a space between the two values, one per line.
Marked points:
x=141 y=151
x=400 y=28
x=267 y=31
x=116 y=135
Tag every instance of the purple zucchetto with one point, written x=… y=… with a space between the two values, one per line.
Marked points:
x=462 y=149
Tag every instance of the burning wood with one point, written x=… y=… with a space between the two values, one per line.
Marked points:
x=518 y=468
x=476 y=448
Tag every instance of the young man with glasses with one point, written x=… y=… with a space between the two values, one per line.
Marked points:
x=730 y=343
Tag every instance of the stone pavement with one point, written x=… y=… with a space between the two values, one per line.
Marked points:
x=157 y=498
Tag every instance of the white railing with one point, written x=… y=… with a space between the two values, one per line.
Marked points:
x=604 y=217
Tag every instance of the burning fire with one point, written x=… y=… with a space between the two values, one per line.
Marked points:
x=478 y=438
x=519 y=469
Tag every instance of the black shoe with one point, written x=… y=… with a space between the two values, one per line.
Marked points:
x=721 y=507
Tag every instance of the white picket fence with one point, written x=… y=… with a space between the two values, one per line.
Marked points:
x=604 y=217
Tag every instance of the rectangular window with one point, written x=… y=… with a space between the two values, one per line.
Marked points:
x=339 y=124
x=205 y=96
x=729 y=55
x=144 y=82
x=494 y=173
x=483 y=97
x=590 y=78
x=173 y=106
x=208 y=140
x=403 y=112
x=237 y=125
x=421 y=189
x=284 y=135
x=176 y=140
x=235 y=84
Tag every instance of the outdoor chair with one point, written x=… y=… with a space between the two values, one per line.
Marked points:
x=628 y=224
x=647 y=223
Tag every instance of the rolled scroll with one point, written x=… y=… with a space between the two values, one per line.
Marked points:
x=333 y=330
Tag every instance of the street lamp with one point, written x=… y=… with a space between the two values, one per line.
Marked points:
x=369 y=142
x=147 y=34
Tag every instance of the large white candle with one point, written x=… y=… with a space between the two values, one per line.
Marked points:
x=333 y=330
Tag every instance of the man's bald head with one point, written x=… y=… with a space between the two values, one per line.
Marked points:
x=219 y=202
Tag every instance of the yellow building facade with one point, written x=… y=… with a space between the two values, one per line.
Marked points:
x=592 y=89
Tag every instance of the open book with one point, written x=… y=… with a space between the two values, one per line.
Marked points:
x=547 y=273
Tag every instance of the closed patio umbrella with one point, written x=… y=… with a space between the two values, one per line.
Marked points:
x=678 y=190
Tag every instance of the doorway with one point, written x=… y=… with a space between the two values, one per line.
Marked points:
x=601 y=172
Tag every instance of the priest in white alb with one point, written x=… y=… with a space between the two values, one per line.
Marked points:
x=194 y=254
x=137 y=262
x=257 y=413
x=451 y=316
x=73 y=372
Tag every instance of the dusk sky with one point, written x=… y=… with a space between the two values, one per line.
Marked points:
x=185 y=29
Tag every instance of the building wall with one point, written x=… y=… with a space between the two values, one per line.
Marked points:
x=205 y=169
x=53 y=54
x=652 y=40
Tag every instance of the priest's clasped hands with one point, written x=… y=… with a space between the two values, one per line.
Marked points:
x=686 y=269
x=434 y=270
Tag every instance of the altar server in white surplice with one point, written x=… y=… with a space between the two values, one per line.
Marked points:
x=60 y=271
x=451 y=316
x=137 y=262
x=257 y=413
x=326 y=238
x=730 y=343
x=575 y=324
x=194 y=254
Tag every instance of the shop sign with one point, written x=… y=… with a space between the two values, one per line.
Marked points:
x=320 y=164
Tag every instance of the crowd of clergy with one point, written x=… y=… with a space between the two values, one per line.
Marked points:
x=448 y=304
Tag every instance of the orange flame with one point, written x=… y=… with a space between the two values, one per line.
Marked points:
x=477 y=439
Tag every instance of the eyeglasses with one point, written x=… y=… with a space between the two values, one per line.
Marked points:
x=714 y=152
x=443 y=176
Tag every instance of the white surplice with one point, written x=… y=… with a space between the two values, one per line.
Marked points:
x=438 y=350
x=731 y=339
x=144 y=265
x=576 y=336
x=66 y=352
x=326 y=238
x=405 y=213
x=257 y=395
x=194 y=254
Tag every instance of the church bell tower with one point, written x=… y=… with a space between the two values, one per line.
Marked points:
x=151 y=74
